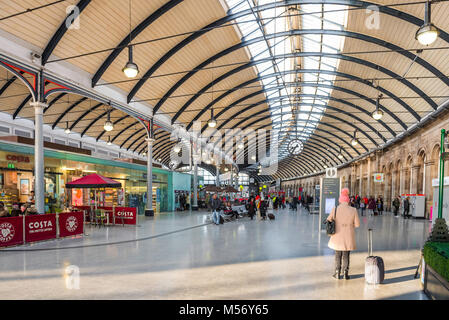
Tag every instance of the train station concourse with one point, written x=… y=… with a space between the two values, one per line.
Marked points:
x=224 y=150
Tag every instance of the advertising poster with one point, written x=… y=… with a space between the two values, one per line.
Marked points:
x=24 y=186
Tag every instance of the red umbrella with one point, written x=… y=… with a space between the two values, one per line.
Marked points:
x=93 y=181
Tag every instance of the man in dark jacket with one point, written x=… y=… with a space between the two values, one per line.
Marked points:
x=396 y=205
x=215 y=205
x=406 y=208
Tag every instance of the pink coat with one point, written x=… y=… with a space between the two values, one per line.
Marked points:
x=345 y=223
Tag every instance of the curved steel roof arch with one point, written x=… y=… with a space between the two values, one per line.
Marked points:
x=283 y=97
x=305 y=95
x=73 y=125
x=205 y=88
x=74 y=105
x=61 y=31
x=116 y=122
x=366 y=63
x=362 y=4
x=131 y=36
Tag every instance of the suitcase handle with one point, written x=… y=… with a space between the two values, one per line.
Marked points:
x=370 y=242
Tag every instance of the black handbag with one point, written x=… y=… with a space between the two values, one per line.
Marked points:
x=330 y=225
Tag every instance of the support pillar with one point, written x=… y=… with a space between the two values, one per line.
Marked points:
x=195 y=186
x=361 y=178
x=217 y=178
x=149 y=212
x=39 y=180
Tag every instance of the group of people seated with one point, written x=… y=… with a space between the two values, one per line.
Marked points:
x=17 y=210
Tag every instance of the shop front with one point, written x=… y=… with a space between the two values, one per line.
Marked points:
x=17 y=180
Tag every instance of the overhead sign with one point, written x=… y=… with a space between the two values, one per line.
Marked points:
x=331 y=173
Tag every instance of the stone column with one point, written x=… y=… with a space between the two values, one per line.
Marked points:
x=414 y=180
x=39 y=180
x=402 y=181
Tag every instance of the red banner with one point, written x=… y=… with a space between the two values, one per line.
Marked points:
x=70 y=224
x=127 y=215
x=40 y=227
x=11 y=231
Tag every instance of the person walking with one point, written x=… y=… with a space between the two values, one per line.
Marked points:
x=343 y=241
x=380 y=205
x=407 y=208
x=362 y=207
x=215 y=205
x=295 y=203
x=396 y=206
x=371 y=206
x=252 y=208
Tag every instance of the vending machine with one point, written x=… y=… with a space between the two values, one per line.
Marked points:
x=417 y=204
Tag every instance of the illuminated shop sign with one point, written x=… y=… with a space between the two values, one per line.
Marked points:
x=11 y=157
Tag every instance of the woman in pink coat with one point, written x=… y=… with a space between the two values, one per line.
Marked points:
x=343 y=241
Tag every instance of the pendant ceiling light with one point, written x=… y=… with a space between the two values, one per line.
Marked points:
x=212 y=122
x=109 y=141
x=177 y=147
x=378 y=114
x=340 y=155
x=354 y=141
x=427 y=33
x=240 y=145
x=67 y=129
x=131 y=70
x=108 y=126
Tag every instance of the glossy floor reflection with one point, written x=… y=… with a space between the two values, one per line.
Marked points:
x=178 y=256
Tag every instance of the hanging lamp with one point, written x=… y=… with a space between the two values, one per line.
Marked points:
x=378 y=114
x=67 y=129
x=131 y=70
x=354 y=141
x=212 y=123
x=108 y=126
x=427 y=33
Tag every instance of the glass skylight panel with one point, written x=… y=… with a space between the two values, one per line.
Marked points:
x=314 y=98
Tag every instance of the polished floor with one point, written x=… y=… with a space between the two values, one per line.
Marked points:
x=182 y=256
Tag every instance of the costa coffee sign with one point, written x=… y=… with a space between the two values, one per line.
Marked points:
x=129 y=215
x=40 y=227
x=11 y=157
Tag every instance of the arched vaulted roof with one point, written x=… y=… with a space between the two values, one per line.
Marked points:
x=311 y=69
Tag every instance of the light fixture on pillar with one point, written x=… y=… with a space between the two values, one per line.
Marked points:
x=67 y=129
x=378 y=114
x=109 y=140
x=212 y=123
x=108 y=126
x=427 y=33
x=354 y=141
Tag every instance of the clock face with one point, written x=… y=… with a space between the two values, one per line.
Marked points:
x=294 y=147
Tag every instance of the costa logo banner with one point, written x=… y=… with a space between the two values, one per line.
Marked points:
x=127 y=215
x=11 y=231
x=70 y=224
x=40 y=227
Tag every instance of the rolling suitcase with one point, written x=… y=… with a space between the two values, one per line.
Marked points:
x=374 y=266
